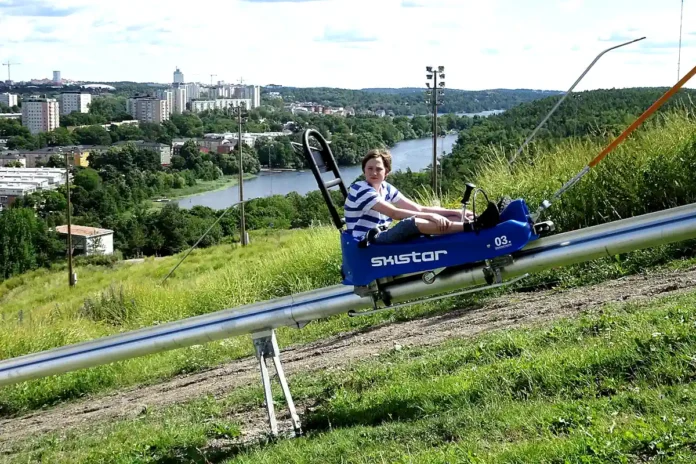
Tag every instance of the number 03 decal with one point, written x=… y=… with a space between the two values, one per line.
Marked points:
x=502 y=240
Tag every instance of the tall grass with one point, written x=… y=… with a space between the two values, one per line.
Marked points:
x=653 y=170
x=40 y=312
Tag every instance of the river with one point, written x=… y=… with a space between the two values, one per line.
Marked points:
x=414 y=154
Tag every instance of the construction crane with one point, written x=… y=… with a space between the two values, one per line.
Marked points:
x=9 y=66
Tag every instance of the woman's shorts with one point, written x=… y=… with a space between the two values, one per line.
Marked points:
x=402 y=231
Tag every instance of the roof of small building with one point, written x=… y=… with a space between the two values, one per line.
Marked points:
x=83 y=231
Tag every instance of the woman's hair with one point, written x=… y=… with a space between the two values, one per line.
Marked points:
x=378 y=153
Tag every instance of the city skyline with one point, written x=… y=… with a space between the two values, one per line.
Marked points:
x=483 y=45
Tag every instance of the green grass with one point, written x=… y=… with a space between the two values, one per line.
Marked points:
x=615 y=385
x=129 y=296
x=650 y=171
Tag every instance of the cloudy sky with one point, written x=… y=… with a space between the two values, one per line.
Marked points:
x=483 y=44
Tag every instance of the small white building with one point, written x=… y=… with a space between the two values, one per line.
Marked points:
x=89 y=240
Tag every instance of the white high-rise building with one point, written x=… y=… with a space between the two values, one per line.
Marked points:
x=75 y=101
x=180 y=100
x=250 y=92
x=193 y=91
x=40 y=114
x=255 y=95
x=148 y=109
x=178 y=77
x=168 y=96
x=9 y=99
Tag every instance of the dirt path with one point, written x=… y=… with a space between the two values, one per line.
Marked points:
x=506 y=311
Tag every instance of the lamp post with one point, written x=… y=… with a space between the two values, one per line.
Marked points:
x=242 y=226
x=71 y=277
x=432 y=94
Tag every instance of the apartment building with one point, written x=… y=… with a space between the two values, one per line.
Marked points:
x=148 y=109
x=168 y=96
x=180 y=99
x=75 y=101
x=9 y=99
x=40 y=114
x=220 y=103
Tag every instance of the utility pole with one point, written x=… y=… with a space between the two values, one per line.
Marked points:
x=9 y=66
x=242 y=225
x=71 y=277
x=432 y=99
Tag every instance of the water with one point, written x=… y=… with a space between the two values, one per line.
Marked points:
x=414 y=154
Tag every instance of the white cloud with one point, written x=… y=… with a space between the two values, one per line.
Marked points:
x=351 y=43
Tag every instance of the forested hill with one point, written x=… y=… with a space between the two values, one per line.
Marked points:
x=596 y=114
x=406 y=101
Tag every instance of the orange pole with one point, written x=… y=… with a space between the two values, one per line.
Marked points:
x=643 y=117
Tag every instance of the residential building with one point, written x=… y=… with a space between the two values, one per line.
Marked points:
x=56 y=77
x=10 y=115
x=168 y=96
x=193 y=91
x=78 y=155
x=75 y=101
x=40 y=114
x=178 y=76
x=89 y=240
x=10 y=192
x=180 y=99
x=108 y=125
x=9 y=99
x=11 y=157
x=220 y=103
x=251 y=92
x=178 y=143
x=53 y=176
x=162 y=149
x=148 y=109
x=39 y=183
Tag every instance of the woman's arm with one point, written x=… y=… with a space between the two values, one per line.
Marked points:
x=398 y=212
x=453 y=214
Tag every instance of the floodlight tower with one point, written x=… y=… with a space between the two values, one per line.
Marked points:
x=432 y=94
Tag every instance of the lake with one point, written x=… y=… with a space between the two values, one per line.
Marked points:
x=414 y=154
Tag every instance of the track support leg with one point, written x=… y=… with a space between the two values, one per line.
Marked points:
x=266 y=346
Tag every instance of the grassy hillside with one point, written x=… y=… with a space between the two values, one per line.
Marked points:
x=615 y=385
x=651 y=171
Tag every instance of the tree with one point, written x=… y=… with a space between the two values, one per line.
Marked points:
x=92 y=135
x=24 y=242
x=188 y=124
x=88 y=179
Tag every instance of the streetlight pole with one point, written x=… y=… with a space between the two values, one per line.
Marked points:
x=242 y=225
x=71 y=279
x=432 y=95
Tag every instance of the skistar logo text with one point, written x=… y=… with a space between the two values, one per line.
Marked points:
x=413 y=257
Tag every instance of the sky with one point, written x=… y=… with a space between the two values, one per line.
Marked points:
x=483 y=44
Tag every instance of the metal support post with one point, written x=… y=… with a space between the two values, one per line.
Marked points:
x=266 y=346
